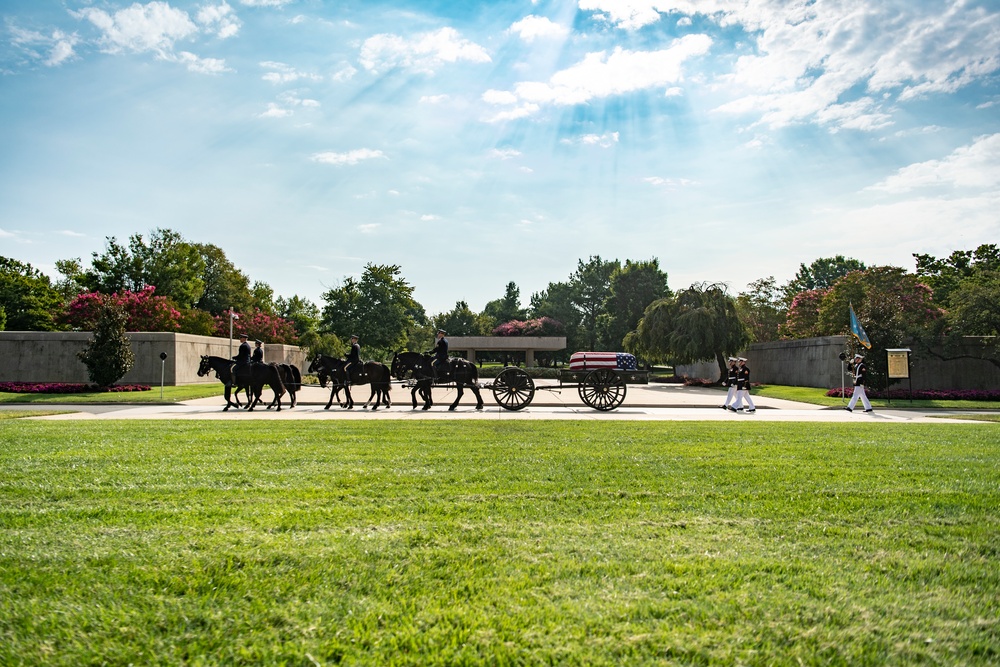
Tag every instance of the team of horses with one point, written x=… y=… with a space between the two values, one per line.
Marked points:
x=416 y=370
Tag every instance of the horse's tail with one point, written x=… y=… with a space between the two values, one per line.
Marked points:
x=296 y=376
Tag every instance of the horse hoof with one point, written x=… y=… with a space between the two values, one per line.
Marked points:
x=426 y=407
x=479 y=407
x=451 y=409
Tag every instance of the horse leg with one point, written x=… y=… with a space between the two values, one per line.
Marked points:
x=426 y=393
x=350 y=399
x=413 y=396
x=458 y=396
x=333 y=390
x=228 y=402
x=369 y=401
x=479 y=396
x=278 y=393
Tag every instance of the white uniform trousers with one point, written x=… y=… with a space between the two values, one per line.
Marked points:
x=859 y=391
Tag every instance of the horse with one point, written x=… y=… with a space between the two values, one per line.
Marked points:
x=253 y=381
x=418 y=366
x=374 y=373
x=291 y=377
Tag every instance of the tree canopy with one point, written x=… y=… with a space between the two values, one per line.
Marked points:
x=697 y=323
x=27 y=297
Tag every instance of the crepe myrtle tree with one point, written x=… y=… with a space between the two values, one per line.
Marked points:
x=108 y=355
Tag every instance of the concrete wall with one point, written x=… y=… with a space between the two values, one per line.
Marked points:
x=815 y=362
x=45 y=356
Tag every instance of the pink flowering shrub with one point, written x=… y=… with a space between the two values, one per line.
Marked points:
x=922 y=394
x=258 y=324
x=65 y=387
x=542 y=326
x=144 y=311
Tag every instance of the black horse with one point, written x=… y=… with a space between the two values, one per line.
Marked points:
x=291 y=377
x=373 y=373
x=418 y=367
x=253 y=379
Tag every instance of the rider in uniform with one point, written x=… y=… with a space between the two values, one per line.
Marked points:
x=352 y=365
x=242 y=358
x=440 y=352
x=258 y=352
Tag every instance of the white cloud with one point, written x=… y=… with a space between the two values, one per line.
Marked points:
x=669 y=183
x=281 y=73
x=534 y=27
x=428 y=217
x=345 y=73
x=433 y=99
x=275 y=111
x=606 y=140
x=369 y=228
x=202 y=65
x=265 y=3
x=350 y=157
x=69 y=232
x=601 y=75
x=157 y=27
x=504 y=153
x=973 y=166
x=152 y=27
x=4 y=234
x=813 y=61
x=425 y=52
x=219 y=19
x=627 y=14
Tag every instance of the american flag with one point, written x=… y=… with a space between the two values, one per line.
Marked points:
x=588 y=361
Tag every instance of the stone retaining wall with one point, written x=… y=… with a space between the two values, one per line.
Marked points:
x=46 y=356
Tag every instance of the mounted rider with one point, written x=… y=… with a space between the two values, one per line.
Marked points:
x=440 y=353
x=243 y=358
x=258 y=352
x=353 y=368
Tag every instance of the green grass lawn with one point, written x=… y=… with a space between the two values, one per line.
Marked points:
x=498 y=543
x=818 y=397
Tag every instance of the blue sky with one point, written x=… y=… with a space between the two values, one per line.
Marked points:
x=477 y=143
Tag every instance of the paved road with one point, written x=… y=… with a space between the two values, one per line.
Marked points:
x=651 y=402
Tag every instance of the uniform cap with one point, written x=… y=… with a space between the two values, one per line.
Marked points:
x=243 y=336
x=354 y=336
x=258 y=341
x=443 y=331
x=742 y=359
x=859 y=356
x=733 y=359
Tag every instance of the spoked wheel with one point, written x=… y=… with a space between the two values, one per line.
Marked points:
x=513 y=389
x=602 y=389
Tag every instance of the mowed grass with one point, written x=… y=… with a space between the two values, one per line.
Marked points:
x=498 y=543
x=173 y=394
x=818 y=396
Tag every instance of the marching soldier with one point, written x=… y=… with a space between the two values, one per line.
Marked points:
x=860 y=380
x=743 y=387
x=730 y=381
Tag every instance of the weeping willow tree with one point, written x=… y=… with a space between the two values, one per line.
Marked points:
x=700 y=322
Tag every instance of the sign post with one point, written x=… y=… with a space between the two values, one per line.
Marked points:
x=897 y=361
x=163 y=367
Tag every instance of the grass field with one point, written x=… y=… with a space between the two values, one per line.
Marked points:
x=819 y=397
x=498 y=543
x=170 y=395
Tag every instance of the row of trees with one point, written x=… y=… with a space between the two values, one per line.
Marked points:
x=163 y=282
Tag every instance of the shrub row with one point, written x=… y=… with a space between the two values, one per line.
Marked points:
x=65 y=388
x=923 y=394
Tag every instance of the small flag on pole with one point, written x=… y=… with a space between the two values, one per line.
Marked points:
x=858 y=330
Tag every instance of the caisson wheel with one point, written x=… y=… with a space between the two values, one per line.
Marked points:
x=513 y=389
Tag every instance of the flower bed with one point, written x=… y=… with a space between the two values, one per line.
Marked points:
x=65 y=388
x=923 y=394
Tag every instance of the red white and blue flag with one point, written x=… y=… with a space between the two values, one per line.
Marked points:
x=588 y=361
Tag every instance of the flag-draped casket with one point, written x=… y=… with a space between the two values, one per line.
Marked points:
x=588 y=361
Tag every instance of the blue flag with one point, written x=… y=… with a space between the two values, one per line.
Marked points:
x=858 y=330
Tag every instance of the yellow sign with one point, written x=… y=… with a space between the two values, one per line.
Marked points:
x=899 y=363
